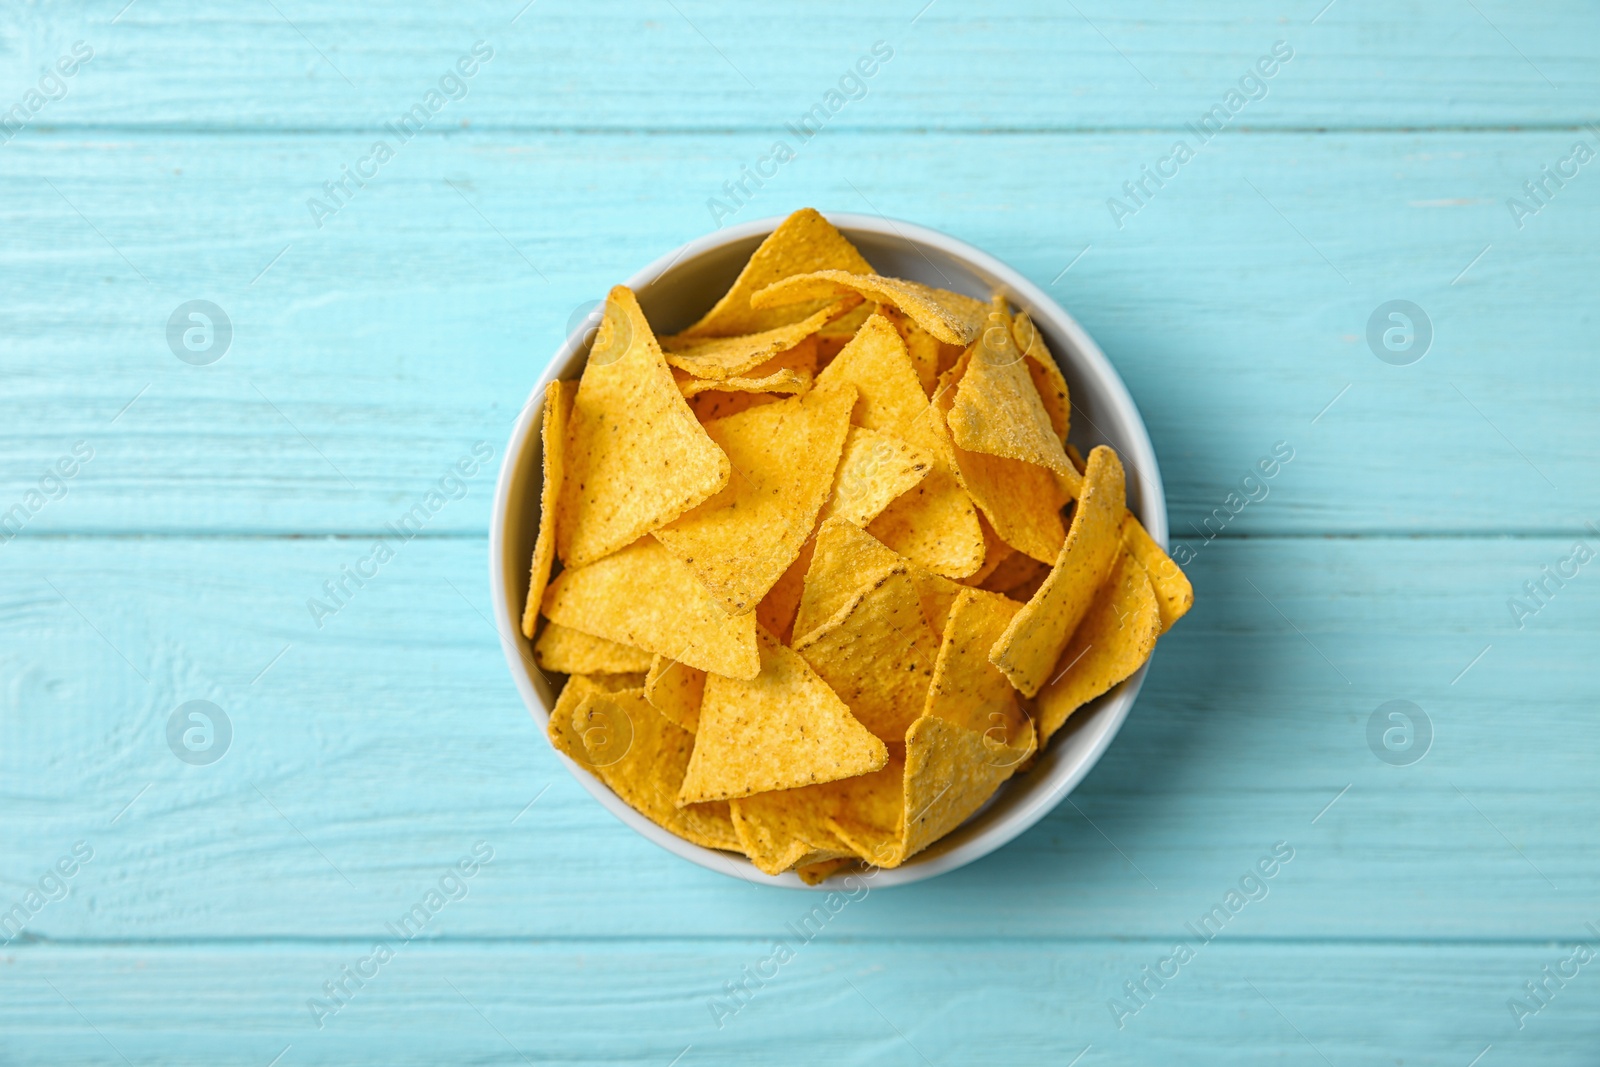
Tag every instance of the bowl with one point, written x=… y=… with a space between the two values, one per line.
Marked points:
x=674 y=291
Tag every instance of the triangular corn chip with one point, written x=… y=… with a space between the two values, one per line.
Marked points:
x=784 y=455
x=642 y=757
x=780 y=829
x=783 y=381
x=645 y=597
x=1045 y=372
x=726 y=357
x=1022 y=502
x=934 y=523
x=1015 y=570
x=557 y=409
x=1028 y=651
x=567 y=651
x=1174 y=594
x=636 y=458
x=967 y=689
x=1173 y=591
x=844 y=562
x=675 y=690
x=950 y=773
x=953 y=318
x=805 y=241
x=997 y=410
x=926 y=351
x=878 y=653
x=871 y=810
x=781 y=730
x=1113 y=640
x=876 y=468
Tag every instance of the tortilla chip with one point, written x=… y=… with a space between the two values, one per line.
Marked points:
x=781 y=730
x=1045 y=372
x=645 y=597
x=726 y=357
x=997 y=411
x=805 y=241
x=1022 y=502
x=877 y=652
x=557 y=409
x=708 y=407
x=845 y=561
x=950 y=773
x=636 y=456
x=967 y=690
x=786 y=827
x=1174 y=594
x=953 y=318
x=817 y=873
x=1173 y=591
x=776 y=612
x=675 y=689
x=836 y=334
x=649 y=771
x=563 y=735
x=934 y=522
x=741 y=541
x=1028 y=651
x=995 y=552
x=876 y=468
x=779 y=381
x=568 y=651
x=1113 y=641
x=871 y=811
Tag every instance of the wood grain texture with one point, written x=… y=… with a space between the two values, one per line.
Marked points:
x=371 y=753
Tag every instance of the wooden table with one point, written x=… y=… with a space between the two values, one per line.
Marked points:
x=383 y=335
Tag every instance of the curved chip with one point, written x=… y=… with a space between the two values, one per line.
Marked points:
x=726 y=357
x=1028 y=650
x=675 y=690
x=805 y=241
x=557 y=409
x=1114 y=639
x=997 y=410
x=567 y=651
x=953 y=318
x=1046 y=373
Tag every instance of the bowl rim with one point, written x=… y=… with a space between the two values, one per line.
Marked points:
x=1110 y=710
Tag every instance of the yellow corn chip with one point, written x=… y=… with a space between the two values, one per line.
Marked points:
x=1173 y=591
x=953 y=318
x=741 y=541
x=776 y=612
x=779 y=381
x=636 y=456
x=708 y=407
x=871 y=811
x=1046 y=373
x=561 y=731
x=805 y=241
x=950 y=773
x=1028 y=651
x=675 y=689
x=878 y=653
x=844 y=562
x=996 y=409
x=786 y=827
x=781 y=730
x=1021 y=501
x=817 y=873
x=645 y=597
x=934 y=523
x=557 y=408
x=1113 y=641
x=1174 y=594
x=567 y=651
x=876 y=468
x=725 y=357
x=967 y=689
x=995 y=552
x=648 y=769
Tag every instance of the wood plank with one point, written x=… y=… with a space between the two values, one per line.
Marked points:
x=1033 y=1000
x=373 y=753
x=696 y=65
x=370 y=355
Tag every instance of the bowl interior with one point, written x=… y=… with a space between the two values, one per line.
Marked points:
x=673 y=292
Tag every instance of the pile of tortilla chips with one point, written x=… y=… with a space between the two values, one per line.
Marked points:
x=829 y=572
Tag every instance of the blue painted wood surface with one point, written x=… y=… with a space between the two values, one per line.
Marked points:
x=370 y=353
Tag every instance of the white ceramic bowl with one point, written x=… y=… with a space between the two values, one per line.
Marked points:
x=674 y=291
